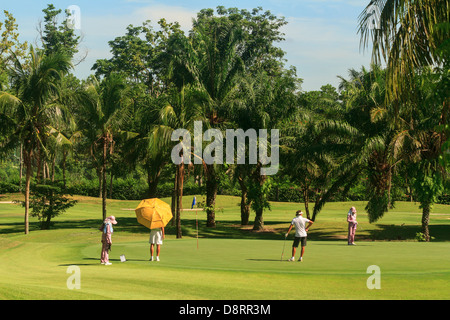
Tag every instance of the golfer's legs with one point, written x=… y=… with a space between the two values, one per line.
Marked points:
x=104 y=256
x=351 y=233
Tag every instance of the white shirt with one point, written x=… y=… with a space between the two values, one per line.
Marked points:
x=300 y=224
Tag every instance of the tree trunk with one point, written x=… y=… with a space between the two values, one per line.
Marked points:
x=211 y=194
x=39 y=164
x=425 y=221
x=53 y=168
x=64 y=168
x=104 y=186
x=306 y=200
x=260 y=180
x=152 y=180
x=27 y=189
x=100 y=175
x=179 y=198
x=245 y=206
x=259 y=220
x=390 y=206
x=111 y=177
x=174 y=195
x=21 y=167
x=45 y=225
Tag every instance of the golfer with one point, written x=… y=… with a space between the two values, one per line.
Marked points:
x=106 y=239
x=156 y=238
x=300 y=233
x=352 y=223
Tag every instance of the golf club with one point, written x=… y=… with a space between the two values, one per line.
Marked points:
x=284 y=245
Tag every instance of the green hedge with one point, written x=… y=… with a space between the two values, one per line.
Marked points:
x=131 y=189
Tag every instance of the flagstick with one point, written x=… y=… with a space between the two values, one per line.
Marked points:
x=196 y=223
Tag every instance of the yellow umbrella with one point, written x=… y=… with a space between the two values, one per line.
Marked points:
x=153 y=213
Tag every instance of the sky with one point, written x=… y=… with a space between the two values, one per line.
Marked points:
x=321 y=39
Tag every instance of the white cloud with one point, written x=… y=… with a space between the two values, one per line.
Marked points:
x=178 y=14
x=322 y=49
x=98 y=29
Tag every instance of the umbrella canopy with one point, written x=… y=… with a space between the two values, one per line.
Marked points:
x=153 y=213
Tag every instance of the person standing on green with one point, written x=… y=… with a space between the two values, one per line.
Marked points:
x=156 y=238
x=300 y=233
x=107 y=231
x=352 y=223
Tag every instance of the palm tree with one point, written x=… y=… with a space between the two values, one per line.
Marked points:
x=328 y=152
x=407 y=35
x=103 y=113
x=36 y=89
x=216 y=54
x=424 y=140
x=179 y=110
x=209 y=60
x=262 y=101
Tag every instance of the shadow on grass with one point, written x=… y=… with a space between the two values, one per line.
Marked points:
x=408 y=232
x=234 y=230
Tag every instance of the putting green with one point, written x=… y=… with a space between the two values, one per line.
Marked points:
x=225 y=269
x=231 y=263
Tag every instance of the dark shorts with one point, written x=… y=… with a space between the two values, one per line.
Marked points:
x=297 y=240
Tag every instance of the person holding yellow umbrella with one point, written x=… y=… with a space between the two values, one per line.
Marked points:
x=156 y=238
x=154 y=214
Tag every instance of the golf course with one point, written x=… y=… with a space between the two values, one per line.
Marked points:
x=228 y=262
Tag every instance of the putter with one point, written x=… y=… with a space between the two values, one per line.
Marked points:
x=284 y=245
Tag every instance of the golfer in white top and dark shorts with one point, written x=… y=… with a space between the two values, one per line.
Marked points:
x=300 y=233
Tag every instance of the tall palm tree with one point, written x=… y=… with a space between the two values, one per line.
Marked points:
x=330 y=153
x=210 y=60
x=263 y=101
x=103 y=113
x=424 y=140
x=219 y=50
x=34 y=102
x=179 y=110
x=406 y=35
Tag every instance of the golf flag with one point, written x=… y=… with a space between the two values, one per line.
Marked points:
x=193 y=202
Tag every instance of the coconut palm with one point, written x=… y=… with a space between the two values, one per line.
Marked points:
x=103 y=113
x=33 y=104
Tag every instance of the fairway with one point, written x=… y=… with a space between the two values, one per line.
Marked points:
x=228 y=266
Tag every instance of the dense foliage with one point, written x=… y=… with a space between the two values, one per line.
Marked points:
x=110 y=135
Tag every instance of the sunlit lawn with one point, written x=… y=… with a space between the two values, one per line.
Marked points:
x=227 y=262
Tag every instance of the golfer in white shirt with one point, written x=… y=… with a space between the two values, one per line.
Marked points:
x=300 y=233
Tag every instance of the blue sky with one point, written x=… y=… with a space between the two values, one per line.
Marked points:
x=321 y=38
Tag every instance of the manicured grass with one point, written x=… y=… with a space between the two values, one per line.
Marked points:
x=231 y=261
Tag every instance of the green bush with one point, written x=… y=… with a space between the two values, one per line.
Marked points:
x=7 y=187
